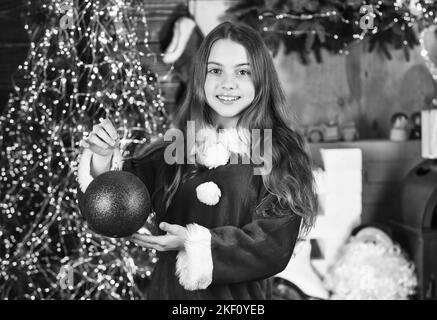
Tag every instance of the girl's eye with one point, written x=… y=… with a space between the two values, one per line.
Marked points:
x=214 y=71
x=244 y=72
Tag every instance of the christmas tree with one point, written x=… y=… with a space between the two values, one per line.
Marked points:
x=83 y=65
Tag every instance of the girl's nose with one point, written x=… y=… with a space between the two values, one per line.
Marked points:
x=228 y=82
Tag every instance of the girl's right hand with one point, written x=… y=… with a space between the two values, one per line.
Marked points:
x=103 y=139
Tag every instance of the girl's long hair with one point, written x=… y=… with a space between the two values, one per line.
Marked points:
x=290 y=183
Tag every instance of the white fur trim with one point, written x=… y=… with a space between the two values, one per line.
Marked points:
x=84 y=170
x=194 y=263
x=213 y=155
x=236 y=140
x=84 y=176
x=213 y=149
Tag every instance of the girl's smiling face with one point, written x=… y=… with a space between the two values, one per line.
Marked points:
x=229 y=88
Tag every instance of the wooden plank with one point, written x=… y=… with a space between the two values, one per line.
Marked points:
x=10 y=58
x=170 y=79
x=24 y=45
x=380 y=193
x=4 y=97
x=153 y=48
x=375 y=150
x=171 y=108
x=411 y=150
x=160 y=17
x=152 y=59
x=161 y=7
x=388 y=171
x=158 y=27
x=12 y=31
x=378 y=150
x=154 y=27
x=373 y=213
x=11 y=24
x=162 y=4
x=170 y=90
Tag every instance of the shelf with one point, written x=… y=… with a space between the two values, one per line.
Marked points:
x=375 y=150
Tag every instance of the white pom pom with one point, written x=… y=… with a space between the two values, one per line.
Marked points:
x=235 y=141
x=207 y=135
x=213 y=155
x=208 y=193
x=213 y=149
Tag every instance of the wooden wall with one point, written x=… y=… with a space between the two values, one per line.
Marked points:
x=385 y=164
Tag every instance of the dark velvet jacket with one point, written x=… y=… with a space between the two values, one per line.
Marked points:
x=247 y=248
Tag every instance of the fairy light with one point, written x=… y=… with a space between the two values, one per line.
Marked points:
x=45 y=119
x=407 y=13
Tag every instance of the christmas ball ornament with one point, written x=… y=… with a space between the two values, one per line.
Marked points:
x=116 y=204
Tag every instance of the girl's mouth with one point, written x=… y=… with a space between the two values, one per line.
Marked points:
x=228 y=98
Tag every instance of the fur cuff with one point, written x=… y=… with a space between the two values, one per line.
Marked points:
x=194 y=263
x=84 y=170
x=84 y=176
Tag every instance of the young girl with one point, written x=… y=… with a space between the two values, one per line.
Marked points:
x=225 y=230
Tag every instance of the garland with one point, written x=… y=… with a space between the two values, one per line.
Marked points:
x=308 y=26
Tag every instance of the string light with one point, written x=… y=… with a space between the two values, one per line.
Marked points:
x=409 y=13
x=63 y=88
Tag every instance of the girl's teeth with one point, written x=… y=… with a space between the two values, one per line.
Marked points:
x=228 y=98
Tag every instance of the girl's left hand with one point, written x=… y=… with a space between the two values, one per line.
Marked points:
x=173 y=240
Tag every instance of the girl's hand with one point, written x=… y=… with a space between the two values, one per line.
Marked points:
x=103 y=139
x=173 y=240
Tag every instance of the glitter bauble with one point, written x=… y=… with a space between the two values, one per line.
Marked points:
x=116 y=204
